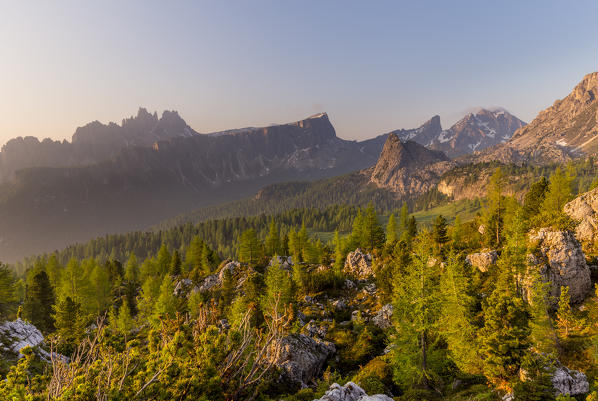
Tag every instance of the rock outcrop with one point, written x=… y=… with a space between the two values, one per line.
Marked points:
x=350 y=392
x=584 y=210
x=482 y=260
x=561 y=262
x=408 y=168
x=383 y=318
x=18 y=334
x=559 y=133
x=567 y=381
x=301 y=358
x=359 y=264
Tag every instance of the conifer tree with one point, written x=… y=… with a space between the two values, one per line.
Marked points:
x=417 y=307
x=532 y=202
x=494 y=219
x=7 y=290
x=440 y=231
x=543 y=334
x=373 y=233
x=39 y=301
x=166 y=303
x=391 y=230
x=124 y=321
x=504 y=338
x=279 y=287
x=557 y=195
x=404 y=218
x=53 y=268
x=132 y=269
x=175 y=264
x=163 y=258
x=100 y=290
x=74 y=282
x=356 y=239
x=69 y=322
x=339 y=255
x=457 y=316
x=272 y=243
x=249 y=247
x=411 y=229
x=565 y=319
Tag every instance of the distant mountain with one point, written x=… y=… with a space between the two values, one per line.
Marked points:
x=566 y=130
x=92 y=143
x=476 y=131
x=408 y=168
x=404 y=172
x=57 y=201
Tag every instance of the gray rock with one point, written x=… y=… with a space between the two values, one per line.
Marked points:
x=383 y=318
x=562 y=263
x=359 y=264
x=339 y=304
x=482 y=260
x=584 y=210
x=301 y=358
x=210 y=282
x=349 y=285
x=184 y=287
x=567 y=381
x=350 y=392
x=233 y=267
x=19 y=334
x=312 y=329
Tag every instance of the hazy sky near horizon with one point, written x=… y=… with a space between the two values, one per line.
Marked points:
x=374 y=66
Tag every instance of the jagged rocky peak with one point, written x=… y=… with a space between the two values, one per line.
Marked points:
x=565 y=130
x=424 y=134
x=408 y=168
x=397 y=154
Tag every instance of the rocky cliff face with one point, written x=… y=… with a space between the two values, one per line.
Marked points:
x=563 y=131
x=474 y=132
x=561 y=262
x=584 y=210
x=92 y=143
x=408 y=168
x=146 y=181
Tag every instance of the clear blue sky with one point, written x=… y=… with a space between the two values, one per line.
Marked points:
x=373 y=66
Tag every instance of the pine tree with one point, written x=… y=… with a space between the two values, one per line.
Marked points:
x=356 y=239
x=532 y=202
x=175 y=264
x=53 y=268
x=39 y=301
x=391 y=230
x=411 y=229
x=504 y=338
x=272 y=243
x=74 y=282
x=69 y=322
x=440 y=231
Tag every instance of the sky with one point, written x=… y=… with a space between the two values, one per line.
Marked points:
x=374 y=66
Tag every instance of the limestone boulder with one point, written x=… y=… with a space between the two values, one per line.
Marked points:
x=560 y=261
x=301 y=358
x=350 y=392
x=584 y=210
x=359 y=264
x=483 y=259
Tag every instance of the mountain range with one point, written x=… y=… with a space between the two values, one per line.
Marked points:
x=118 y=177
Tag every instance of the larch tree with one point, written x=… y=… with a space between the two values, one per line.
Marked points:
x=417 y=304
x=39 y=302
x=391 y=229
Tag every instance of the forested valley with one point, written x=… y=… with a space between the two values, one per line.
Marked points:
x=284 y=306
